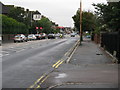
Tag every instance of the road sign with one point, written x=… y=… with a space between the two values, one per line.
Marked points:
x=36 y=16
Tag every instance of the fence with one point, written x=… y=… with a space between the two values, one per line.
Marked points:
x=111 y=42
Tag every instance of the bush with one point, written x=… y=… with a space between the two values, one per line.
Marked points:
x=11 y=26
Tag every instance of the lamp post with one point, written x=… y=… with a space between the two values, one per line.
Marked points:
x=80 y=22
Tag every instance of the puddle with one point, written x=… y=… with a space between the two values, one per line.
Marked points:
x=62 y=75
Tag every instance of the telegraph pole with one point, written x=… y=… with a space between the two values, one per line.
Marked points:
x=80 y=22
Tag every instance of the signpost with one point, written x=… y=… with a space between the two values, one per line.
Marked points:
x=38 y=28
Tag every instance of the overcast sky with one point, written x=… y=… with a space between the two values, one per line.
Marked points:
x=59 y=11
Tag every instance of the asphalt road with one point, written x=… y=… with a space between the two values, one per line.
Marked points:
x=24 y=63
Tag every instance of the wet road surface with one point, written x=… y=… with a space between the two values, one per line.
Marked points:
x=23 y=64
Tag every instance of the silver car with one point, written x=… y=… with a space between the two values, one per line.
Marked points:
x=32 y=37
x=20 y=38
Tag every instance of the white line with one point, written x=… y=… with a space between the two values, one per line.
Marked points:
x=4 y=55
x=20 y=50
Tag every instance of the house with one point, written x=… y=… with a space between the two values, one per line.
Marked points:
x=5 y=8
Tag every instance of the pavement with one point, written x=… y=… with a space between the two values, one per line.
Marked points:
x=89 y=67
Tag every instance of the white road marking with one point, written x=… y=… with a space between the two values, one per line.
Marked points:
x=20 y=50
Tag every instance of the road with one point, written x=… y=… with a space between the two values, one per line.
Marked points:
x=24 y=63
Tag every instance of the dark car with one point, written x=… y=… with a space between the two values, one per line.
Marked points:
x=38 y=36
x=51 y=36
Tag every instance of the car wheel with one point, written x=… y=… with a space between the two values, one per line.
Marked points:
x=14 y=41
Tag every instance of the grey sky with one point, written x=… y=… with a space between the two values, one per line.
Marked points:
x=59 y=11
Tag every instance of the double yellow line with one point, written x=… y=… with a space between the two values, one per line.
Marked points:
x=44 y=76
x=38 y=82
x=58 y=63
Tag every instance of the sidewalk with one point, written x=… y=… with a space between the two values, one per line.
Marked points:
x=89 y=68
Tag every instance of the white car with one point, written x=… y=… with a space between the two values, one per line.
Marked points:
x=43 y=36
x=57 y=35
x=20 y=38
x=72 y=34
x=32 y=37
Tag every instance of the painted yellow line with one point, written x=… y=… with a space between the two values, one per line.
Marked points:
x=59 y=64
x=42 y=82
x=56 y=63
x=37 y=87
x=44 y=79
x=32 y=86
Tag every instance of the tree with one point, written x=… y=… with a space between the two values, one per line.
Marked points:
x=108 y=15
x=17 y=13
x=46 y=24
x=88 y=20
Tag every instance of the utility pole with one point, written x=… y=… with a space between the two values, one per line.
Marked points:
x=31 y=18
x=80 y=22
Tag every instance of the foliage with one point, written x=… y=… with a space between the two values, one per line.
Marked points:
x=17 y=13
x=88 y=20
x=76 y=19
x=20 y=15
x=46 y=24
x=108 y=15
x=11 y=26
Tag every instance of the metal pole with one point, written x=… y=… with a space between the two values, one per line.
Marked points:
x=80 y=22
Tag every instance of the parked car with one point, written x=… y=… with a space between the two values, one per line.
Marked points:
x=57 y=35
x=38 y=36
x=88 y=36
x=43 y=36
x=51 y=36
x=32 y=37
x=72 y=34
x=20 y=38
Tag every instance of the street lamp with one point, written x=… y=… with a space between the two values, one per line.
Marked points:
x=80 y=22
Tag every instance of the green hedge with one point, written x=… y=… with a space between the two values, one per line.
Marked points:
x=11 y=26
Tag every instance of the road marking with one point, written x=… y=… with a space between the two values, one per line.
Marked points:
x=4 y=53
x=68 y=60
x=37 y=81
x=20 y=50
x=56 y=63
x=59 y=64
x=43 y=79
x=66 y=53
x=45 y=76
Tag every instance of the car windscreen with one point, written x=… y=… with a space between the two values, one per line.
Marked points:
x=18 y=36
